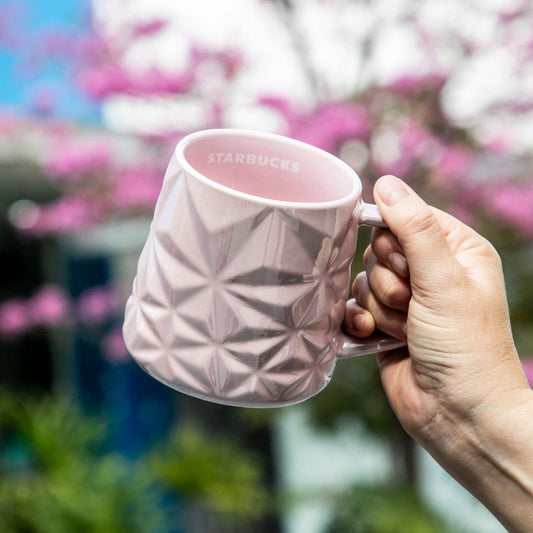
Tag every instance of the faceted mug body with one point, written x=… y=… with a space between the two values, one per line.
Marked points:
x=241 y=286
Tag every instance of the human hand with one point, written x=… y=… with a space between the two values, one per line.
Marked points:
x=437 y=283
x=458 y=388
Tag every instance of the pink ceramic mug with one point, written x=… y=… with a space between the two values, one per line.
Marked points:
x=242 y=283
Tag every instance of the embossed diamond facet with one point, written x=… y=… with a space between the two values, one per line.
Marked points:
x=236 y=300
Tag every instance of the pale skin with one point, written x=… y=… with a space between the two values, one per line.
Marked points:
x=458 y=388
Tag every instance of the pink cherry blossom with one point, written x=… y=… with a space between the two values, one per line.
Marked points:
x=282 y=105
x=464 y=214
x=100 y=81
x=106 y=80
x=49 y=306
x=409 y=84
x=137 y=187
x=514 y=13
x=527 y=364
x=9 y=122
x=513 y=203
x=327 y=125
x=73 y=160
x=231 y=61
x=12 y=15
x=415 y=138
x=97 y=304
x=455 y=162
x=498 y=144
x=402 y=166
x=330 y=124
x=149 y=27
x=15 y=317
x=114 y=348
x=69 y=214
x=43 y=99
x=56 y=43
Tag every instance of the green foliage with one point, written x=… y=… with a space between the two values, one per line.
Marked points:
x=383 y=509
x=55 y=429
x=355 y=390
x=216 y=471
x=519 y=280
x=104 y=496
x=56 y=477
x=53 y=478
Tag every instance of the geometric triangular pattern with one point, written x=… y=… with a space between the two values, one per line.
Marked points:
x=236 y=301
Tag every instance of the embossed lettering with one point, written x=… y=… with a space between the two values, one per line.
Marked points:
x=240 y=158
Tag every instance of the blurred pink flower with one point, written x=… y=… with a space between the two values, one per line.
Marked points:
x=513 y=203
x=90 y=48
x=97 y=304
x=498 y=144
x=9 y=122
x=415 y=138
x=56 y=43
x=410 y=84
x=513 y=13
x=102 y=81
x=137 y=187
x=331 y=124
x=216 y=115
x=67 y=215
x=464 y=214
x=43 y=99
x=114 y=347
x=149 y=27
x=15 y=317
x=231 y=61
x=403 y=166
x=283 y=105
x=326 y=126
x=527 y=364
x=454 y=168
x=71 y=161
x=156 y=81
x=49 y=306
x=12 y=15
x=456 y=161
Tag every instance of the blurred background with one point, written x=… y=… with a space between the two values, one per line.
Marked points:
x=93 y=98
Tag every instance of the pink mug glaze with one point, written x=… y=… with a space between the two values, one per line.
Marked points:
x=242 y=283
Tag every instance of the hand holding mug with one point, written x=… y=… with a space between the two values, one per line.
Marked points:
x=458 y=388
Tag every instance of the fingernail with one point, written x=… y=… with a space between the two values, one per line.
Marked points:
x=398 y=263
x=358 y=322
x=391 y=190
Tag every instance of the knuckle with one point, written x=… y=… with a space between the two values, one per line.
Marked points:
x=391 y=293
x=420 y=222
x=361 y=289
x=386 y=248
x=367 y=255
x=357 y=284
x=383 y=243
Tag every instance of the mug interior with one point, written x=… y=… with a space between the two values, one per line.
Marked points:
x=270 y=166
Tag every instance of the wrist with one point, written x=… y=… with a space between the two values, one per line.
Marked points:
x=490 y=454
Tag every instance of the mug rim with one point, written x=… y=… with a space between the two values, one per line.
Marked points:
x=350 y=198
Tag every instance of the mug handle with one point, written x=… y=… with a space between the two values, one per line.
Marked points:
x=368 y=215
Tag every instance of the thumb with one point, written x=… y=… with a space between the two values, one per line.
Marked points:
x=418 y=231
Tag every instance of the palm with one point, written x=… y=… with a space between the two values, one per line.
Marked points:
x=411 y=403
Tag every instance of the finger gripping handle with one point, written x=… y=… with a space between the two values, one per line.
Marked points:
x=368 y=215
